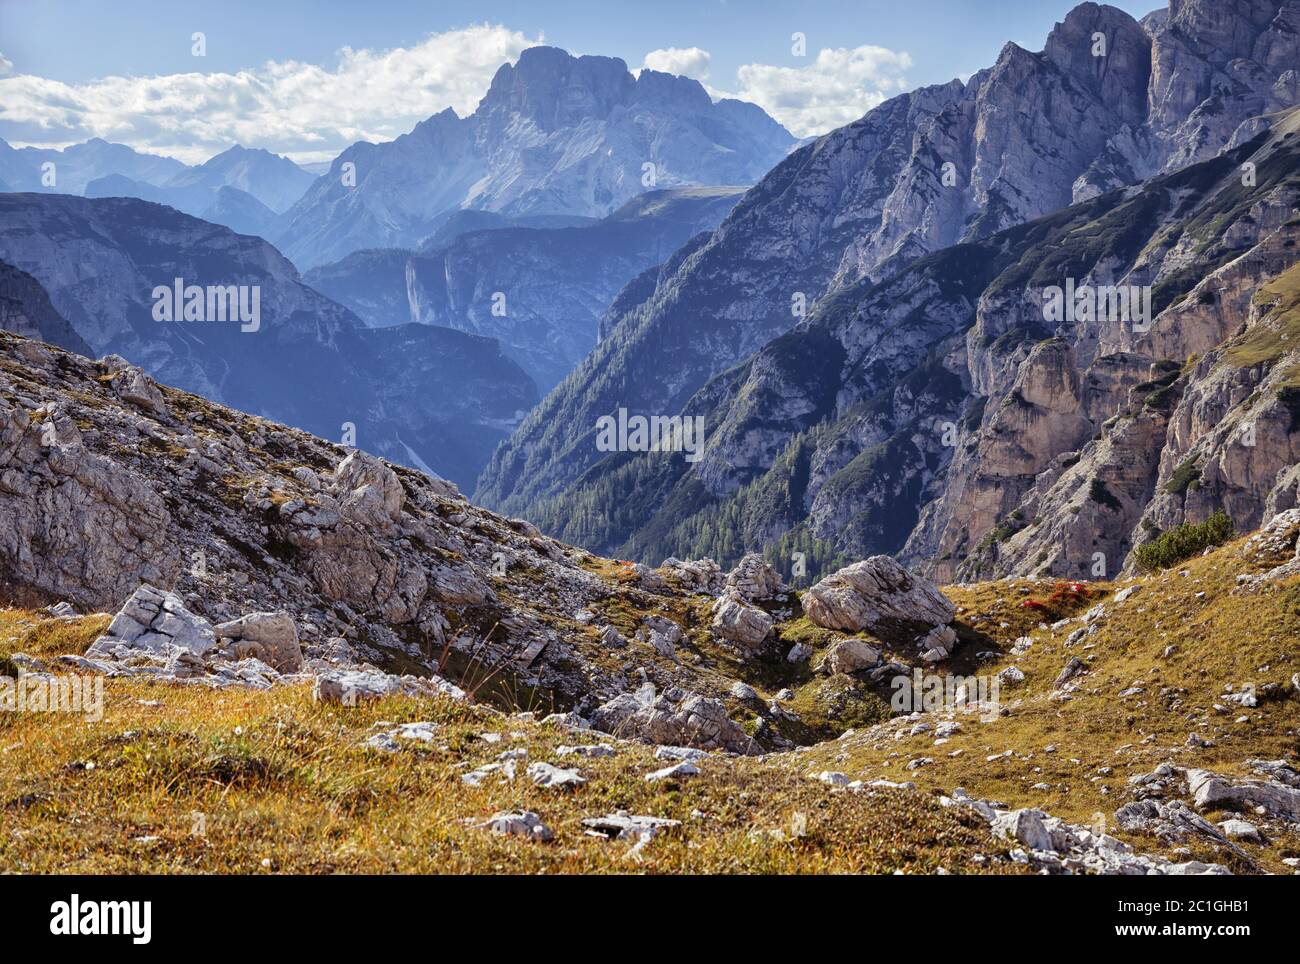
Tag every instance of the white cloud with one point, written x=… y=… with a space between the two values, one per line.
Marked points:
x=683 y=61
x=306 y=111
x=6 y=66
x=838 y=87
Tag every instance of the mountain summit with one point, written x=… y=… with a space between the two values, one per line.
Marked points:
x=555 y=134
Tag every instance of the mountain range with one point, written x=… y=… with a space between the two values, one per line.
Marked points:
x=244 y=189
x=921 y=499
x=891 y=233
x=450 y=377
x=241 y=188
x=861 y=331
x=23 y=169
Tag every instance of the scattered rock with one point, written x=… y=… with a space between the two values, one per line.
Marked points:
x=519 y=823
x=738 y=621
x=662 y=634
x=1073 y=668
x=1211 y=791
x=699 y=576
x=1024 y=825
x=675 y=718
x=134 y=386
x=833 y=777
x=475 y=778
x=612 y=638
x=879 y=596
x=154 y=621
x=674 y=772
x=743 y=692
x=753 y=578
x=850 y=656
x=621 y=825
x=1241 y=830
x=392 y=740
x=688 y=753
x=350 y=687
x=270 y=637
x=547 y=775
x=937 y=644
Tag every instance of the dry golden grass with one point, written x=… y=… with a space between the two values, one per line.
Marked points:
x=189 y=780
x=185 y=779
x=23 y=631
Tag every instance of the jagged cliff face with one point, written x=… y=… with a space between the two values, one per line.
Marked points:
x=423 y=395
x=555 y=134
x=1090 y=443
x=923 y=171
x=538 y=291
x=25 y=309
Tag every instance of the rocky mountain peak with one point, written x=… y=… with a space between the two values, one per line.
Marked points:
x=554 y=89
x=657 y=87
x=1108 y=52
x=843 y=221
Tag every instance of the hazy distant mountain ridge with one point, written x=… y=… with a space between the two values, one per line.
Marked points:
x=22 y=169
x=554 y=134
x=539 y=291
x=244 y=189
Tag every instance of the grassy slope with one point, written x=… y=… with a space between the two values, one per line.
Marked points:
x=283 y=780
x=1220 y=638
x=285 y=787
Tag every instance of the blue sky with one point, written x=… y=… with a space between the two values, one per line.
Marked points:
x=260 y=56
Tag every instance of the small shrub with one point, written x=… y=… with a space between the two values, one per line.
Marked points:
x=1065 y=599
x=1183 y=476
x=1183 y=542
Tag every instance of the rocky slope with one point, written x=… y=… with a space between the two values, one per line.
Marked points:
x=112 y=482
x=555 y=134
x=423 y=394
x=555 y=282
x=1032 y=133
x=242 y=556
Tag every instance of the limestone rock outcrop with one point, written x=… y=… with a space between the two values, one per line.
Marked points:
x=879 y=596
x=673 y=718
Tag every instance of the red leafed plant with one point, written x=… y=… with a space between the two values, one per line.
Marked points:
x=1064 y=598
